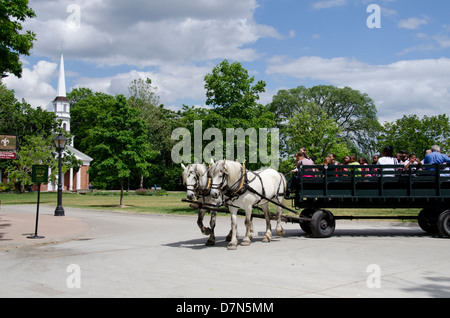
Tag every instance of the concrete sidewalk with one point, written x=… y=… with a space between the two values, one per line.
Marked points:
x=19 y=222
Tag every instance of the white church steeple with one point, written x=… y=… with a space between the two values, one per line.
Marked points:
x=61 y=79
x=61 y=104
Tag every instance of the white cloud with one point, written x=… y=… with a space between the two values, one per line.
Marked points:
x=443 y=40
x=146 y=33
x=174 y=82
x=34 y=84
x=329 y=4
x=412 y=23
x=404 y=87
x=436 y=42
x=180 y=40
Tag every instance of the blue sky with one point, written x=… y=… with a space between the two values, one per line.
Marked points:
x=404 y=65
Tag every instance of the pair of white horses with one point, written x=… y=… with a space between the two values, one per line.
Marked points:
x=227 y=183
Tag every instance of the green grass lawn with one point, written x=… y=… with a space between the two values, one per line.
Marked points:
x=166 y=204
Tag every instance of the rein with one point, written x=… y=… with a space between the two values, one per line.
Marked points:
x=242 y=187
x=238 y=188
x=196 y=187
x=243 y=184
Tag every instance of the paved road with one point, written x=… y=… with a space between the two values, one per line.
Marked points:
x=106 y=254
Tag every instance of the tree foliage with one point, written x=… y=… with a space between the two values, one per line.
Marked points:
x=87 y=110
x=32 y=127
x=121 y=145
x=318 y=132
x=234 y=99
x=37 y=150
x=352 y=111
x=230 y=90
x=13 y=42
x=19 y=118
x=416 y=135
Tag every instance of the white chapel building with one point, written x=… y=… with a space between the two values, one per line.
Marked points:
x=72 y=180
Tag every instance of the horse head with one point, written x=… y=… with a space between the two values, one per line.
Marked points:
x=223 y=174
x=190 y=180
x=196 y=180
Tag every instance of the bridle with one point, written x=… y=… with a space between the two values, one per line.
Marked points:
x=238 y=188
x=196 y=186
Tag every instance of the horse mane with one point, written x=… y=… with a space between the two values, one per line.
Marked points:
x=185 y=174
x=199 y=168
x=233 y=170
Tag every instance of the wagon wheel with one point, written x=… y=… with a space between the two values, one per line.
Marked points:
x=323 y=223
x=444 y=223
x=428 y=220
x=305 y=225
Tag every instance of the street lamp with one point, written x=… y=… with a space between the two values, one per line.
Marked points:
x=60 y=143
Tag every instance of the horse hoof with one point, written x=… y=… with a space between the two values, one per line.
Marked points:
x=281 y=233
x=210 y=243
x=246 y=243
x=231 y=247
x=207 y=231
x=266 y=239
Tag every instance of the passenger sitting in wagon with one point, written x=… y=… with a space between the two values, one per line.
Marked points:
x=331 y=165
x=436 y=157
x=303 y=160
x=387 y=158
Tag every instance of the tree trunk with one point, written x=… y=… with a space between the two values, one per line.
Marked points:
x=121 y=194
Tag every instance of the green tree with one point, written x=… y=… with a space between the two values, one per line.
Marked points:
x=210 y=118
x=13 y=42
x=416 y=135
x=87 y=110
x=315 y=130
x=230 y=90
x=234 y=98
x=121 y=145
x=20 y=119
x=37 y=150
x=354 y=112
x=160 y=123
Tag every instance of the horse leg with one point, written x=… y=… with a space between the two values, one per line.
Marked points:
x=233 y=243
x=201 y=215
x=212 y=223
x=268 y=236
x=280 y=230
x=249 y=227
x=230 y=234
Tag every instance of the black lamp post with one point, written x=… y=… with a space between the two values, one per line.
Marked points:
x=60 y=143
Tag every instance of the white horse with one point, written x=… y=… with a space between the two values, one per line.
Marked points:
x=197 y=183
x=230 y=179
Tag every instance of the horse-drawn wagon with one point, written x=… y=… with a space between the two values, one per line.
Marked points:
x=373 y=187
x=228 y=184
